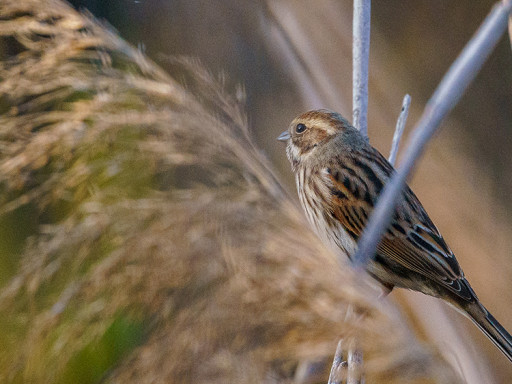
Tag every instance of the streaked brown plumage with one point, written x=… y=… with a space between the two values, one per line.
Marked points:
x=339 y=177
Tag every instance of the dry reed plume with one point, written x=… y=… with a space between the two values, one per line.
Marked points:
x=146 y=239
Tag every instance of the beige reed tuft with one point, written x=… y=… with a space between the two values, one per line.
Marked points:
x=147 y=240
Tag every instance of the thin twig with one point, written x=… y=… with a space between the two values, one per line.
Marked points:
x=510 y=30
x=354 y=364
x=399 y=130
x=338 y=364
x=360 y=58
x=447 y=94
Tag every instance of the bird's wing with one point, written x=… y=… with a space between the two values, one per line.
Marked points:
x=412 y=241
x=415 y=243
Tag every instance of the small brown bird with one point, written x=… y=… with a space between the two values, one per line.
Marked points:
x=339 y=177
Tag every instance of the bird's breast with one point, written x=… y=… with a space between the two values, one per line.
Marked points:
x=313 y=196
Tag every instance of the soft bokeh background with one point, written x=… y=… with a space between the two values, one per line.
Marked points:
x=296 y=55
x=413 y=43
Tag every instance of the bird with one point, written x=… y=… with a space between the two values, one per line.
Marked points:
x=339 y=177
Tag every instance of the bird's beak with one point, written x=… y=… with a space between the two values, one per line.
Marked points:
x=284 y=136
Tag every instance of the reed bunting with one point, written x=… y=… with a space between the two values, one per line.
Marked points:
x=339 y=177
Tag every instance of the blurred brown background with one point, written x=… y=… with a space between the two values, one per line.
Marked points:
x=413 y=43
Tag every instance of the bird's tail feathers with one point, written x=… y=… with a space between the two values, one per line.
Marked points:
x=491 y=327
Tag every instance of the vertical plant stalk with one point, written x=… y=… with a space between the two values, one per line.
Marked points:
x=360 y=59
x=335 y=377
x=354 y=364
x=510 y=30
x=399 y=129
x=452 y=86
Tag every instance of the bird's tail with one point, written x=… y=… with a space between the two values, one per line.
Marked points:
x=491 y=327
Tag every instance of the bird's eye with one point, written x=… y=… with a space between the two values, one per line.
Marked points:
x=299 y=128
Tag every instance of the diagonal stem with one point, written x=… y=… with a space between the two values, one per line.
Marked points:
x=459 y=76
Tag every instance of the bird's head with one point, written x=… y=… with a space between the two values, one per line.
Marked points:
x=315 y=134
